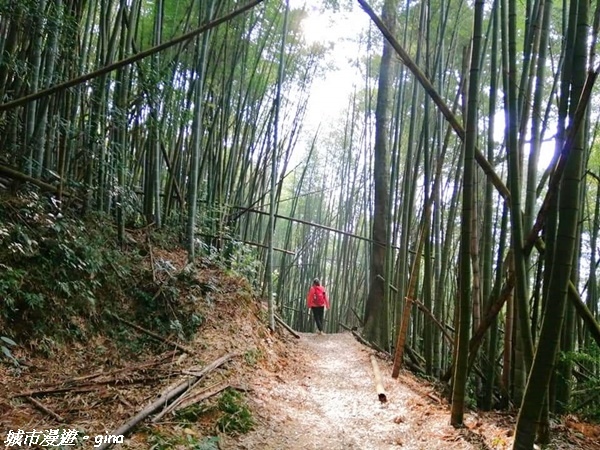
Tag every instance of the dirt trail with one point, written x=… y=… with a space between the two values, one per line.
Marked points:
x=325 y=399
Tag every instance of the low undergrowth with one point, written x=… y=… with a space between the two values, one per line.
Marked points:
x=64 y=278
x=70 y=295
x=58 y=272
x=585 y=400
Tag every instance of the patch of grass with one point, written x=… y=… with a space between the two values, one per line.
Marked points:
x=192 y=413
x=252 y=357
x=237 y=417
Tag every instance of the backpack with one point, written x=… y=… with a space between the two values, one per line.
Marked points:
x=319 y=296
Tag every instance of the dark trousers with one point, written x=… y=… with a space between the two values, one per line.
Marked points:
x=318 y=313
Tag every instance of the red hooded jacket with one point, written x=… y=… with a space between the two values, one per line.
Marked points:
x=317 y=296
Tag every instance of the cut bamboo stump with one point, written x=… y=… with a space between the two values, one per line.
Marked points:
x=378 y=382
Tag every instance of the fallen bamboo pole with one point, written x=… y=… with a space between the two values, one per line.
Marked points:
x=202 y=395
x=164 y=398
x=378 y=382
x=286 y=326
x=167 y=395
x=198 y=377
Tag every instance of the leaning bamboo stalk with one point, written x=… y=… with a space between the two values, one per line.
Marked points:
x=127 y=61
x=437 y=99
x=254 y=244
x=19 y=176
x=378 y=381
x=313 y=224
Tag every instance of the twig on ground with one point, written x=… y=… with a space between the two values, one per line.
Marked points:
x=196 y=398
x=433 y=397
x=154 y=335
x=144 y=366
x=43 y=392
x=44 y=409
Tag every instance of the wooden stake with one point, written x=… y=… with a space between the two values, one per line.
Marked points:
x=378 y=382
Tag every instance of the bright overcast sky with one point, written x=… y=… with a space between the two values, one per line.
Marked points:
x=330 y=96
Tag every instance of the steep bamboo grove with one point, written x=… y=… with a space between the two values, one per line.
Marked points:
x=424 y=210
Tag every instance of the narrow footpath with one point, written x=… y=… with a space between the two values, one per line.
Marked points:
x=326 y=399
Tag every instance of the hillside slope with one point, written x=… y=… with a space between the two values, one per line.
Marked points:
x=129 y=325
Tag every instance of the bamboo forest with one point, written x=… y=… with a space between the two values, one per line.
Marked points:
x=450 y=206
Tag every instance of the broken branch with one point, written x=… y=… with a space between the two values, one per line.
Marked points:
x=154 y=335
x=44 y=409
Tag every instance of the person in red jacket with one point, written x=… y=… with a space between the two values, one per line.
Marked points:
x=317 y=301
